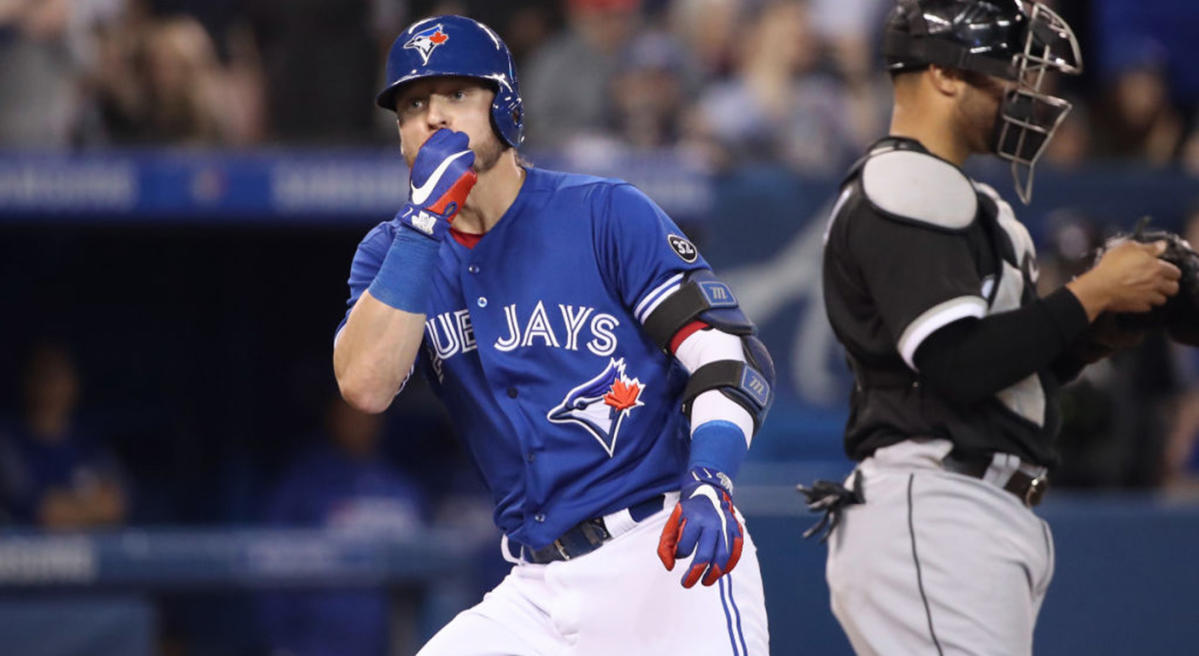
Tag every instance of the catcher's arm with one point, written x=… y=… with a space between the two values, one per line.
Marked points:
x=1005 y=347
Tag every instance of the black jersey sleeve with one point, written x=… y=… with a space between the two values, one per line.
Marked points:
x=920 y=277
x=1000 y=349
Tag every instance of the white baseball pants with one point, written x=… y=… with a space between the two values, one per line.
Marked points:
x=936 y=563
x=617 y=600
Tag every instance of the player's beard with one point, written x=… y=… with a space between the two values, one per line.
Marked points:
x=979 y=112
x=487 y=154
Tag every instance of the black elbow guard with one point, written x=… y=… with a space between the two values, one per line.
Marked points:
x=701 y=296
x=749 y=384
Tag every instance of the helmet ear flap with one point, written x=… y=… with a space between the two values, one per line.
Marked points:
x=514 y=117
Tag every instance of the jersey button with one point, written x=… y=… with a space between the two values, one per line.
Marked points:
x=512 y=393
x=539 y=517
x=473 y=268
x=482 y=301
x=530 y=457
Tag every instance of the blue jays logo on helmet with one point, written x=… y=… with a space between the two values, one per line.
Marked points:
x=471 y=50
x=601 y=404
x=426 y=41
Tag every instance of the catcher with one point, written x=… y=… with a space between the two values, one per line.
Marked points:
x=930 y=284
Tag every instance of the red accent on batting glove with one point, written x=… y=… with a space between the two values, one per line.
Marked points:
x=456 y=196
x=669 y=542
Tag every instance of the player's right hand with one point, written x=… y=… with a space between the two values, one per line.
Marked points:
x=1133 y=278
x=703 y=522
x=442 y=177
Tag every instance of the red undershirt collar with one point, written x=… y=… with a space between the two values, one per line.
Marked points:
x=467 y=239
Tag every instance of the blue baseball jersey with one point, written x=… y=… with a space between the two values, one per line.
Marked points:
x=534 y=342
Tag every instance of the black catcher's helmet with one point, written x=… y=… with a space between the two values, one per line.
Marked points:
x=1016 y=40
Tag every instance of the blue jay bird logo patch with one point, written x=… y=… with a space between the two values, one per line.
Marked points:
x=601 y=404
x=426 y=41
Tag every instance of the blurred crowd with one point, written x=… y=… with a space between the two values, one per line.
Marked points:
x=58 y=473
x=732 y=82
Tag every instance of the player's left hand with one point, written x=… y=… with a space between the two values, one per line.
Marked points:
x=705 y=523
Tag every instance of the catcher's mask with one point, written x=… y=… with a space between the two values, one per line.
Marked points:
x=1015 y=40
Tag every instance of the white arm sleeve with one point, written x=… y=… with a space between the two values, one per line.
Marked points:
x=700 y=348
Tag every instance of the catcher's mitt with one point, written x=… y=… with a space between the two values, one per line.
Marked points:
x=1180 y=315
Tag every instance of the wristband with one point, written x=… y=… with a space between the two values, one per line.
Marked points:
x=403 y=281
x=718 y=445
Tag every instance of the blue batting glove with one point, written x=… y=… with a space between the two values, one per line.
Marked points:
x=703 y=522
x=441 y=179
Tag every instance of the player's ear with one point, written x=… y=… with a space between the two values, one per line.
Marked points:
x=945 y=81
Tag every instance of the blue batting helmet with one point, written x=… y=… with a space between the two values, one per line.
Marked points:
x=456 y=45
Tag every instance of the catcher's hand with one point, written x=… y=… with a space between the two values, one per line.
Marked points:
x=830 y=498
x=704 y=522
x=1178 y=313
x=441 y=178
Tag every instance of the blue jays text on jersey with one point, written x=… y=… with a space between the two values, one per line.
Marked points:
x=451 y=333
x=533 y=341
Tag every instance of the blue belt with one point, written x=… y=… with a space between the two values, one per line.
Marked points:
x=587 y=535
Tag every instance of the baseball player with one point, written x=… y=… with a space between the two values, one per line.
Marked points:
x=929 y=285
x=604 y=379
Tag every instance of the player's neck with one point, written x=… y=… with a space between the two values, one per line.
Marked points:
x=933 y=132
x=492 y=195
